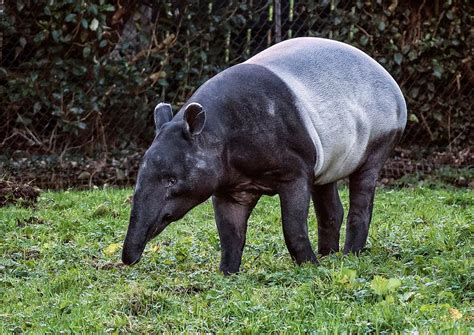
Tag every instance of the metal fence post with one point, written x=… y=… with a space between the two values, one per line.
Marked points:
x=2 y=13
x=277 y=20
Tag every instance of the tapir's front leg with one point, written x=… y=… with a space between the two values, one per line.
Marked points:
x=294 y=198
x=231 y=220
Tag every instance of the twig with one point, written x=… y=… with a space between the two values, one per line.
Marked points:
x=423 y=119
x=167 y=43
x=35 y=139
x=364 y=31
x=53 y=133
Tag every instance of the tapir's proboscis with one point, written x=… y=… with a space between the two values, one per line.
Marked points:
x=292 y=121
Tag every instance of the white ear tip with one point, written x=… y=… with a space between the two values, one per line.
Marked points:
x=162 y=104
x=194 y=104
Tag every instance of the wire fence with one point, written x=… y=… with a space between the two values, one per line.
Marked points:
x=79 y=80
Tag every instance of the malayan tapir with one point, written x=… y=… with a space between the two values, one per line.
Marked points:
x=292 y=121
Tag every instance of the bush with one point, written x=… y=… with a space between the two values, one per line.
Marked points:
x=86 y=75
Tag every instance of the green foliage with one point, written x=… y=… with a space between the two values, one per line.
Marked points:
x=426 y=47
x=76 y=79
x=60 y=271
x=382 y=286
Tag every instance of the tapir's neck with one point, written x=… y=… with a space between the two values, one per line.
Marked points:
x=212 y=149
x=252 y=133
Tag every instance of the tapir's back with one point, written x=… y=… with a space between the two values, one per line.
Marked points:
x=345 y=98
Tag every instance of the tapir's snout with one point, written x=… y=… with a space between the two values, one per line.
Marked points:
x=132 y=252
x=138 y=234
x=135 y=241
x=130 y=259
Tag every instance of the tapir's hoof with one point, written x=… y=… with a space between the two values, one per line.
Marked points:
x=312 y=260
x=228 y=272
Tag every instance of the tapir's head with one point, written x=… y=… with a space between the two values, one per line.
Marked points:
x=176 y=174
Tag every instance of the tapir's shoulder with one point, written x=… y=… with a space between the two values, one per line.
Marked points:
x=242 y=82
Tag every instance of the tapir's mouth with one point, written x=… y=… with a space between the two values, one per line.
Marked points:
x=154 y=231
x=158 y=228
x=132 y=252
x=131 y=257
x=134 y=262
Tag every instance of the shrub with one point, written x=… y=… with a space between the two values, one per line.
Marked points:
x=85 y=75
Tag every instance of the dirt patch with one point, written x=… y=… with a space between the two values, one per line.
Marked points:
x=13 y=193
x=101 y=265
x=29 y=221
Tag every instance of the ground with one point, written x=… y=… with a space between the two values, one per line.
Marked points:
x=60 y=270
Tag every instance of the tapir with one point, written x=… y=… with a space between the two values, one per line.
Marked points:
x=292 y=120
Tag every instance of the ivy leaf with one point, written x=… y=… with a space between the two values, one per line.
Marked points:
x=163 y=82
x=20 y=5
x=82 y=125
x=86 y=52
x=22 y=42
x=437 y=71
x=70 y=17
x=36 y=107
x=76 y=110
x=413 y=118
x=398 y=58
x=414 y=92
x=94 y=24
x=55 y=34
x=84 y=23
x=381 y=26
x=40 y=37
x=103 y=44
x=93 y=9
x=364 y=40
x=108 y=8
x=47 y=10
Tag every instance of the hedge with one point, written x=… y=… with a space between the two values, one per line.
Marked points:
x=84 y=75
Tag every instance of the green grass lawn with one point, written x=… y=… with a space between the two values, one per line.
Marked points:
x=60 y=271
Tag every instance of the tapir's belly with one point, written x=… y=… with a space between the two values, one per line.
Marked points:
x=345 y=99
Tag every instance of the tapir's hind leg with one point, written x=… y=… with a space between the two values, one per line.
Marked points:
x=330 y=213
x=361 y=193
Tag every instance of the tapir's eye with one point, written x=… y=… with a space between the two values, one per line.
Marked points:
x=171 y=181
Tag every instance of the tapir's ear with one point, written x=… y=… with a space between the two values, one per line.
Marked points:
x=195 y=118
x=162 y=114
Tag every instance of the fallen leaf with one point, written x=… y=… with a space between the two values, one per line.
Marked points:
x=455 y=313
x=112 y=249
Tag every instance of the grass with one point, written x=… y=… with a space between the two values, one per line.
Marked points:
x=60 y=271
